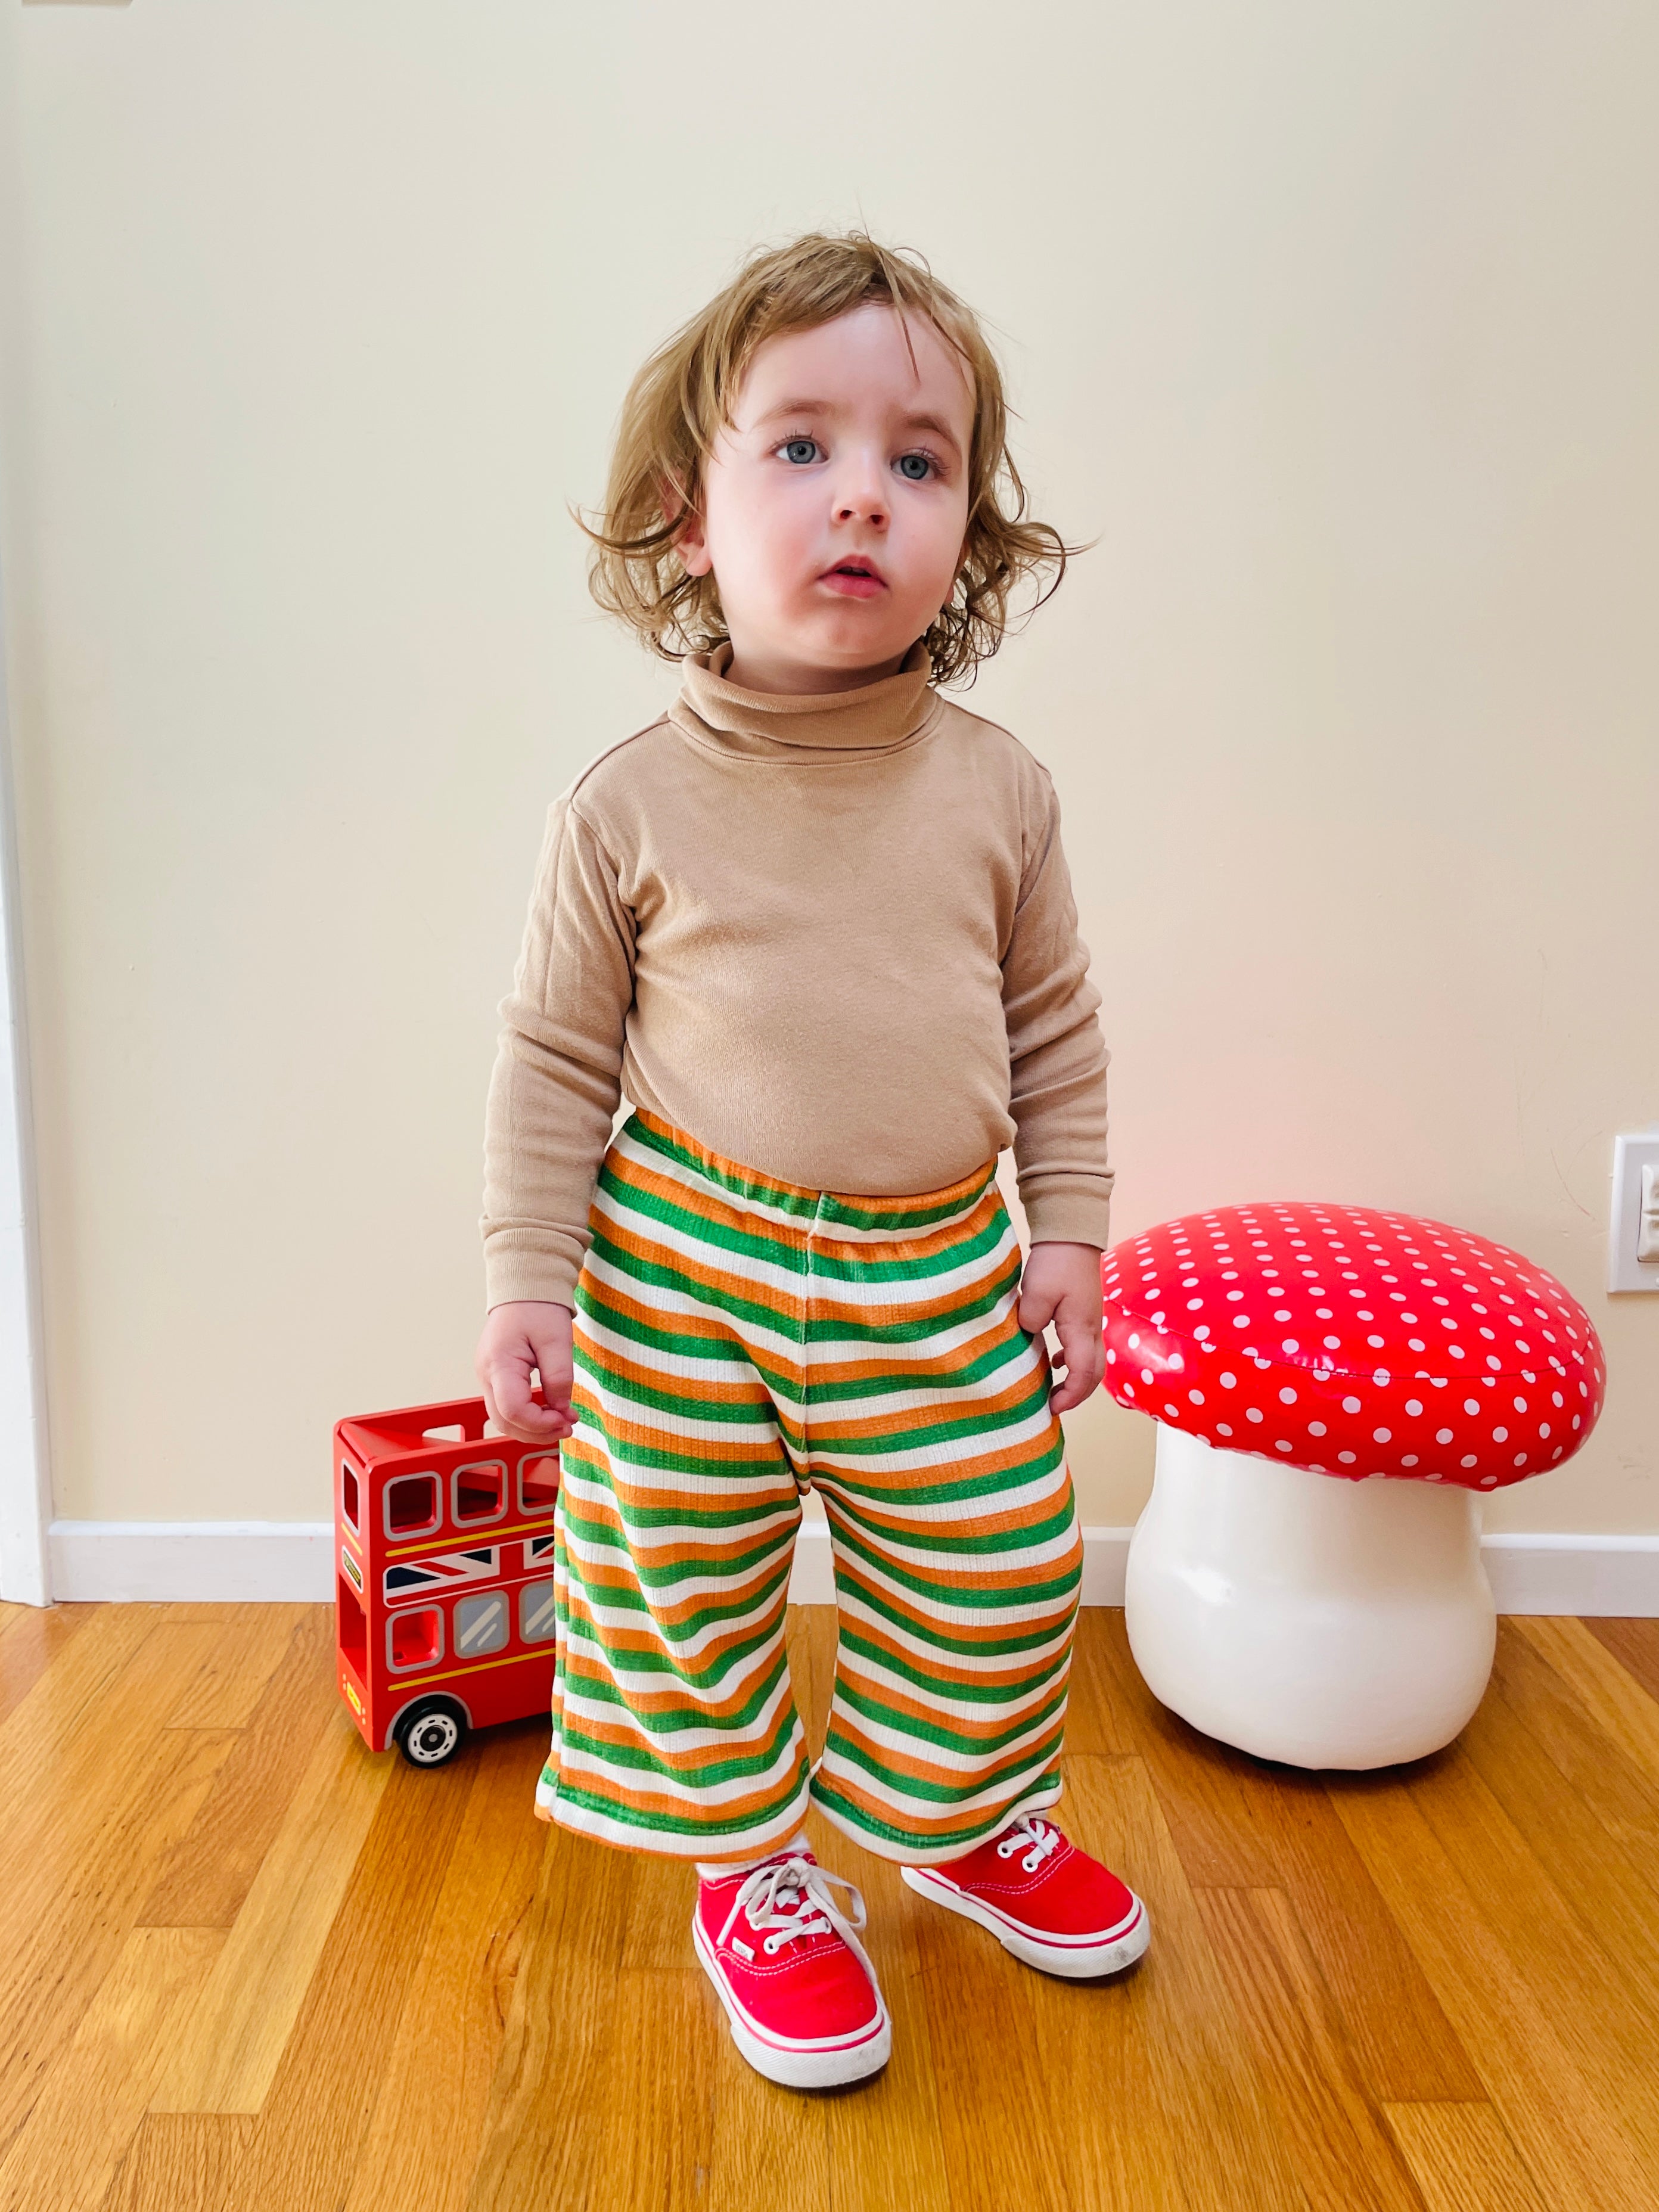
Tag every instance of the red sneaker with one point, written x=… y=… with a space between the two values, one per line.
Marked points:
x=1048 y=1903
x=798 y=1987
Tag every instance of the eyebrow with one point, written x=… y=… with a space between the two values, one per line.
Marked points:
x=915 y=421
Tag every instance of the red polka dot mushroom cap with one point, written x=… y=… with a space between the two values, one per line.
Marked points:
x=1352 y=1342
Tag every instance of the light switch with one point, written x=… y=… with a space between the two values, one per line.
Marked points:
x=1633 y=1232
x=1647 y=1226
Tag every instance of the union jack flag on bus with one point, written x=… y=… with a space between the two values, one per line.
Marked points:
x=408 y=1576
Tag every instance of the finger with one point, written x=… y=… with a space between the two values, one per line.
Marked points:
x=1084 y=1360
x=1036 y=1310
x=519 y=1413
x=557 y=1376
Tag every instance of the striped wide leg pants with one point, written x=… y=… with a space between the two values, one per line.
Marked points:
x=737 y=1341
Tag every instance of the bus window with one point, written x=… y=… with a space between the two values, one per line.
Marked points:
x=411 y=1504
x=480 y=1491
x=349 y=1491
x=480 y=1624
x=537 y=1613
x=414 y=1638
x=539 y=1481
x=353 y=1627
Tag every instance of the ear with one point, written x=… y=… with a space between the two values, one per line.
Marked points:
x=690 y=544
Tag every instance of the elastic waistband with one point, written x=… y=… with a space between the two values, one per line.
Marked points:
x=912 y=1214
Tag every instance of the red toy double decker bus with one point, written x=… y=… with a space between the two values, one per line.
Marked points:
x=444 y=1610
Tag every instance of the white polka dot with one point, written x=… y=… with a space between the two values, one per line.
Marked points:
x=1409 y=1460
x=1468 y=1460
x=1287 y=1396
x=1290 y=1344
x=1346 y=1458
x=1471 y=1405
x=1443 y=1436
x=1351 y=1405
x=1228 y=1381
x=1222 y=1428
x=1413 y=1406
x=1382 y=1436
x=1500 y=1436
x=1316 y=1428
x=1145 y=1374
x=1251 y=1414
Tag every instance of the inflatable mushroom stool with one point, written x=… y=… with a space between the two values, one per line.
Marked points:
x=1335 y=1389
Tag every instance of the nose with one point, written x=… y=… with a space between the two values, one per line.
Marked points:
x=860 y=494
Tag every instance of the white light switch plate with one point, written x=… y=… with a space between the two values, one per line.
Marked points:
x=1630 y=1156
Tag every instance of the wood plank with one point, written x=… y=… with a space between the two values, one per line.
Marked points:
x=1239 y=1823
x=432 y=2077
x=93 y=2096
x=1635 y=1646
x=1617 y=1793
x=31 y=1637
x=1607 y=1875
x=1203 y=2076
x=1609 y=1694
x=180 y=2162
x=1526 y=2054
x=770 y=2146
x=246 y=1651
x=204 y=1882
x=1553 y=1943
x=1344 y=2157
x=653 y=2128
x=1118 y=2144
x=886 y=2142
x=39 y=1736
x=308 y=2148
x=1462 y=2159
x=79 y=1850
x=248 y=2009
x=538 y=2145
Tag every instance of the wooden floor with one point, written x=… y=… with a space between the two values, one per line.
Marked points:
x=244 y=1963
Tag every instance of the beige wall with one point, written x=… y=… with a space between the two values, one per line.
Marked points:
x=1335 y=325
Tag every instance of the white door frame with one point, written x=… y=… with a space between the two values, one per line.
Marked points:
x=24 y=1465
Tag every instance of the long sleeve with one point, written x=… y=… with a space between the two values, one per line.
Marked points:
x=557 y=1076
x=1057 y=1054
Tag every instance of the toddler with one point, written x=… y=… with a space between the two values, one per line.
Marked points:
x=815 y=923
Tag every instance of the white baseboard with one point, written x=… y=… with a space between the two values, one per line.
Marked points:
x=171 y=1562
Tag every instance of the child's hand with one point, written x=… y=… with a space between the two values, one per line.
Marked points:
x=523 y=1334
x=1061 y=1284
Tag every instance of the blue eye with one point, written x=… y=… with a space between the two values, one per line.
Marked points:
x=916 y=466
x=800 y=450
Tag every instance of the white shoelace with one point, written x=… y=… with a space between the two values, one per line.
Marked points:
x=1037 y=1839
x=790 y=1897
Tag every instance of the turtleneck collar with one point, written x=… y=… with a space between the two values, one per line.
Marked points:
x=875 y=718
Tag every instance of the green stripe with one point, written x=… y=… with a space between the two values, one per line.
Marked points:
x=826 y=1205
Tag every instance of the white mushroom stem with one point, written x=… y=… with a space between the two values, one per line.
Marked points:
x=1307 y=1619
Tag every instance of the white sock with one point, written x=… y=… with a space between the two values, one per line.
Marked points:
x=721 y=1870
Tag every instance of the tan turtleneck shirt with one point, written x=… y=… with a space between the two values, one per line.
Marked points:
x=832 y=937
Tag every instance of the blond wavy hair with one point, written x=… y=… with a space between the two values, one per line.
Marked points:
x=679 y=401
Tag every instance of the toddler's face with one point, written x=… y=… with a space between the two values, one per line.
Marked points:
x=836 y=503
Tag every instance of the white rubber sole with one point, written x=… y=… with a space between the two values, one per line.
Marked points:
x=1109 y=1953
x=824 y=2065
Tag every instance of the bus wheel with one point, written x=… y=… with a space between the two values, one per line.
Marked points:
x=431 y=1732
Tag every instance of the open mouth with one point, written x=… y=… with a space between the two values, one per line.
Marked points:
x=854 y=578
